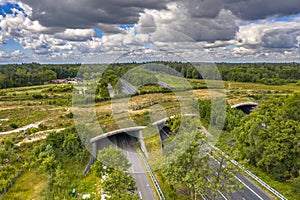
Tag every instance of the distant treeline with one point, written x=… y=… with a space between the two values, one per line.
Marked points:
x=266 y=73
x=16 y=75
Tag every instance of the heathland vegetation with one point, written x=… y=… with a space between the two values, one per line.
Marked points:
x=51 y=155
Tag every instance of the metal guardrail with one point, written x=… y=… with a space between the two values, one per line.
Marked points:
x=155 y=183
x=265 y=185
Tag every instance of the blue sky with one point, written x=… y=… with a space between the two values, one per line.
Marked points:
x=45 y=33
x=7 y=8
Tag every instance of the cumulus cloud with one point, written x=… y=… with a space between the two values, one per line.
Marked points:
x=87 y=14
x=12 y=56
x=270 y=34
x=222 y=27
x=76 y=34
x=65 y=29
x=281 y=39
x=260 y=9
x=245 y=10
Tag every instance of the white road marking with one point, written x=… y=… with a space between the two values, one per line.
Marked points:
x=222 y=195
x=248 y=187
x=140 y=195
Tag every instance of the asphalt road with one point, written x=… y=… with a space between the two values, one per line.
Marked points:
x=127 y=88
x=250 y=191
x=127 y=144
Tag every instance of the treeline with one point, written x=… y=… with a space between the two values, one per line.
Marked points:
x=266 y=73
x=17 y=75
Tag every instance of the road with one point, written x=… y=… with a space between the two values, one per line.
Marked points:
x=250 y=190
x=127 y=144
x=110 y=90
x=127 y=87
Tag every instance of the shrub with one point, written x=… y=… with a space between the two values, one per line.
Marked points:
x=13 y=125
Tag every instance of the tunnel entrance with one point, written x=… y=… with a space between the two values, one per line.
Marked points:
x=164 y=132
x=121 y=140
x=247 y=109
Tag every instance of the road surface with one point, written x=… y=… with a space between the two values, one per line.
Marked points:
x=127 y=144
x=110 y=90
x=127 y=87
x=250 y=190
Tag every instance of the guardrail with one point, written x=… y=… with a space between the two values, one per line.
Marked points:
x=155 y=183
x=265 y=185
x=10 y=184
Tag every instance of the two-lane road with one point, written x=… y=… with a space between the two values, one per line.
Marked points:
x=127 y=145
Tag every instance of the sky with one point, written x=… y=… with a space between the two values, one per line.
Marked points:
x=79 y=31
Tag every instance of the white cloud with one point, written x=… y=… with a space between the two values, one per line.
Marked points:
x=252 y=34
x=76 y=34
x=171 y=28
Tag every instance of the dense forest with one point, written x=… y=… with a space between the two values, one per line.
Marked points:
x=16 y=75
x=269 y=138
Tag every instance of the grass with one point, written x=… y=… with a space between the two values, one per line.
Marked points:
x=32 y=183
x=152 y=143
x=174 y=81
x=26 y=89
x=19 y=106
x=28 y=186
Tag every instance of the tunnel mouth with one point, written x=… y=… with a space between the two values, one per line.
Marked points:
x=124 y=141
x=247 y=109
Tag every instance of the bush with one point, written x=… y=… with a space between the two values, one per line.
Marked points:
x=13 y=125
x=37 y=96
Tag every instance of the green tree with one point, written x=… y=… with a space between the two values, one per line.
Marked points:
x=190 y=162
x=119 y=182
x=110 y=158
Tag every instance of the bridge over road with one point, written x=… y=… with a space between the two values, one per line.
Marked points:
x=126 y=140
x=246 y=107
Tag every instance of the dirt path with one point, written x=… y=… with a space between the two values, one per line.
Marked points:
x=39 y=136
x=35 y=125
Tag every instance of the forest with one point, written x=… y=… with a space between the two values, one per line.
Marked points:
x=16 y=75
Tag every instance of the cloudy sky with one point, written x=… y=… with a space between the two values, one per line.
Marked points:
x=64 y=31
